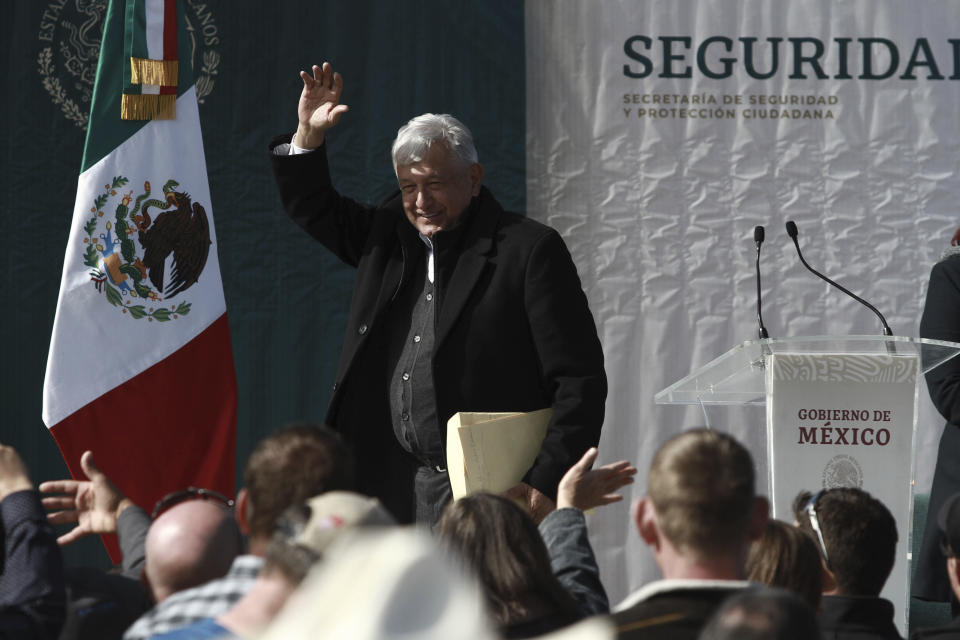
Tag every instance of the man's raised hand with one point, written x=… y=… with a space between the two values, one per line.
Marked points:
x=94 y=504
x=319 y=107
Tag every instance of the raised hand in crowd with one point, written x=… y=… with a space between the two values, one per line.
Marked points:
x=536 y=503
x=584 y=488
x=94 y=504
x=319 y=107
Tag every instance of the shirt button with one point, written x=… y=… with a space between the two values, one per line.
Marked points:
x=406 y=376
x=429 y=297
x=362 y=330
x=404 y=416
x=416 y=338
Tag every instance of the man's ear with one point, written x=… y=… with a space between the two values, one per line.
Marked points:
x=476 y=178
x=645 y=519
x=829 y=587
x=953 y=572
x=759 y=518
x=242 y=511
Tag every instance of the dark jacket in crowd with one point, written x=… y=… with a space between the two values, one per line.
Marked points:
x=101 y=605
x=949 y=632
x=32 y=595
x=857 y=618
x=672 y=609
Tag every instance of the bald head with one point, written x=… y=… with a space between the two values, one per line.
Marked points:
x=192 y=543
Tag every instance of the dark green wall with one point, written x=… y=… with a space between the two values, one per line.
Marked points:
x=286 y=299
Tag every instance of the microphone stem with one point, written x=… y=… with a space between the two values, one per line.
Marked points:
x=762 y=329
x=887 y=331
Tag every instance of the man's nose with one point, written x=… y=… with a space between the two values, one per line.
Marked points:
x=423 y=198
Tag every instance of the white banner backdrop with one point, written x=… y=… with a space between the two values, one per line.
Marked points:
x=659 y=135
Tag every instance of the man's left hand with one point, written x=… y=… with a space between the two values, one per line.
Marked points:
x=537 y=504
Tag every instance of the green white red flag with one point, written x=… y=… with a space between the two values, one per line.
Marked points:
x=140 y=368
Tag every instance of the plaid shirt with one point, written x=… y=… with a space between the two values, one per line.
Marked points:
x=206 y=601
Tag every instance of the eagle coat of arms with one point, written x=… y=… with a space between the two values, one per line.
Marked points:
x=149 y=252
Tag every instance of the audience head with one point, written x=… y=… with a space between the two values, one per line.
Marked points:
x=503 y=548
x=763 y=614
x=382 y=584
x=948 y=522
x=301 y=538
x=189 y=544
x=784 y=556
x=287 y=467
x=701 y=499
x=305 y=531
x=857 y=538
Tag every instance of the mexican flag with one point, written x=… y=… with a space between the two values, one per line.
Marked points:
x=140 y=369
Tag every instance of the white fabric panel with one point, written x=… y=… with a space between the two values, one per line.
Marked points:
x=659 y=213
x=154 y=13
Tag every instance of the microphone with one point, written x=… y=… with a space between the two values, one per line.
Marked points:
x=758 y=239
x=792 y=232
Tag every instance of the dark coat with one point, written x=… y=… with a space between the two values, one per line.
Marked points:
x=513 y=329
x=941 y=321
x=857 y=618
x=676 y=613
x=103 y=605
x=949 y=632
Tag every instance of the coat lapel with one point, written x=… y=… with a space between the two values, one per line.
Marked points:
x=477 y=244
x=401 y=263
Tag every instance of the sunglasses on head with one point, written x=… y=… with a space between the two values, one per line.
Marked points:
x=811 y=511
x=190 y=493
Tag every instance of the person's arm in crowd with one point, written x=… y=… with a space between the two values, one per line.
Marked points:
x=32 y=593
x=941 y=321
x=564 y=531
x=97 y=507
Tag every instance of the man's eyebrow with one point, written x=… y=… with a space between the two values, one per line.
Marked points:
x=432 y=175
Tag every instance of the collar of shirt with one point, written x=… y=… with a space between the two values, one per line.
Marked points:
x=427 y=241
x=661 y=586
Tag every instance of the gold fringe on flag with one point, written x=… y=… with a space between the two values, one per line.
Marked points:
x=148 y=106
x=158 y=72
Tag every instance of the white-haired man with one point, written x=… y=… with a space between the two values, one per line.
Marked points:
x=457 y=306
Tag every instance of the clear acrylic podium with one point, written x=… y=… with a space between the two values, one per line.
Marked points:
x=743 y=376
x=738 y=377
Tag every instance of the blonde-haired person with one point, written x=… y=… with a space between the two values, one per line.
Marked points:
x=698 y=518
x=784 y=556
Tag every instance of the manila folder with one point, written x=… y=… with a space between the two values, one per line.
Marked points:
x=492 y=451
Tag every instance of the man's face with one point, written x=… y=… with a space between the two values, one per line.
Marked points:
x=437 y=190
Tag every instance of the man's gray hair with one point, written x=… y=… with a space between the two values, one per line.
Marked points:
x=415 y=138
